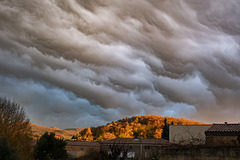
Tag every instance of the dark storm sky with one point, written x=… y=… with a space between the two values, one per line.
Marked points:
x=80 y=63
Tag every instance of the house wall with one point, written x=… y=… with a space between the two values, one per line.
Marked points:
x=187 y=134
x=222 y=140
x=142 y=151
x=78 y=151
x=129 y=147
x=150 y=150
x=200 y=153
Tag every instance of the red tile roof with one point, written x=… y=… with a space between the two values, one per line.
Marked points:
x=223 y=129
x=136 y=141
x=83 y=143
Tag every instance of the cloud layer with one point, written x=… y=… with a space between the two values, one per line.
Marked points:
x=83 y=63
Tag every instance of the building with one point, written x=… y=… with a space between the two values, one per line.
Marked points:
x=187 y=134
x=141 y=149
x=223 y=135
x=78 y=149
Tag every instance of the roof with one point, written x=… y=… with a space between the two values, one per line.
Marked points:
x=224 y=130
x=191 y=125
x=83 y=143
x=136 y=141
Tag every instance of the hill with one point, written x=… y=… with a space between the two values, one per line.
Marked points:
x=38 y=131
x=150 y=126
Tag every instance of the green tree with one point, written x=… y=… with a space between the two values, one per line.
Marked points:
x=48 y=147
x=165 y=131
x=15 y=126
x=7 y=152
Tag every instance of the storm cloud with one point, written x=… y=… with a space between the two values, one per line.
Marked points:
x=79 y=63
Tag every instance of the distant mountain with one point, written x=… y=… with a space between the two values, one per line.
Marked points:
x=150 y=126
x=38 y=131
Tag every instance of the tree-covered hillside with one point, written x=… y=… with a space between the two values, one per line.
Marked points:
x=135 y=127
x=38 y=131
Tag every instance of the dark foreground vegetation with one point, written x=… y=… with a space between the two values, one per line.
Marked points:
x=49 y=147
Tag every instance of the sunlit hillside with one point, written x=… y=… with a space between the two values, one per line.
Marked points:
x=38 y=131
x=134 y=127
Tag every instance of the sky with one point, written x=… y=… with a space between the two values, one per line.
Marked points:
x=79 y=63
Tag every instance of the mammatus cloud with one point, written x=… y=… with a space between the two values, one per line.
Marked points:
x=84 y=63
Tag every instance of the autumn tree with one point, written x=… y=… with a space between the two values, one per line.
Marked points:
x=100 y=138
x=15 y=126
x=50 y=148
x=108 y=135
x=88 y=135
x=158 y=133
